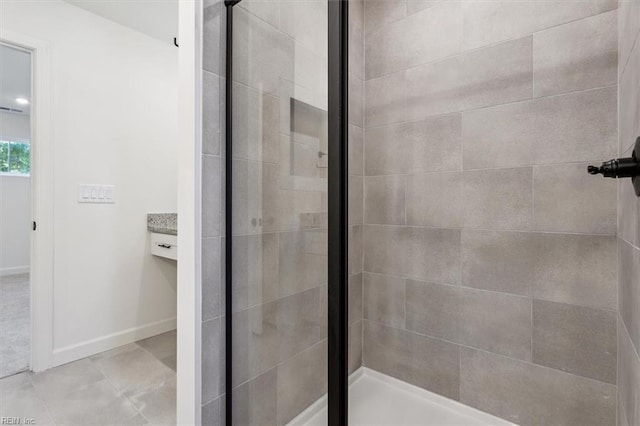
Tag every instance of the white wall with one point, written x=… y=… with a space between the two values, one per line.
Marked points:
x=114 y=118
x=15 y=203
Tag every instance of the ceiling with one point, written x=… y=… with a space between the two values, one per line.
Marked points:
x=15 y=78
x=156 y=18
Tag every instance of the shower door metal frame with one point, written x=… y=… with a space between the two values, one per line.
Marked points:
x=338 y=200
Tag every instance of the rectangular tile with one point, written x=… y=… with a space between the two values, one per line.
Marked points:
x=356 y=38
x=498 y=199
x=629 y=289
x=434 y=309
x=355 y=250
x=213 y=42
x=575 y=339
x=386 y=49
x=569 y=128
x=628 y=377
x=355 y=346
x=302 y=260
x=433 y=34
x=384 y=101
x=435 y=199
x=211 y=196
x=298 y=385
x=210 y=113
x=429 y=363
x=421 y=253
x=356 y=150
x=256 y=197
x=629 y=101
x=299 y=322
x=384 y=198
x=256 y=269
x=574 y=269
x=357 y=101
x=629 y=27
x=306 y=22
x=492 y=76
x=356 y=200
x=378 y=13
x=564 y=201
x=499 y=323
x=256 y=339
x=211 y=278
x=487 y=22
x=565 y=62
x=531 y=395
x=384 y=299
x=356 y=298
x=628 y=212
x=433 y=144
x=255 y=402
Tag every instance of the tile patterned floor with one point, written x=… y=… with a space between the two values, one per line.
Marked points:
x=15 y=335
x=131 y=385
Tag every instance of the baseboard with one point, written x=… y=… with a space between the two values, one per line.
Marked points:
x=111 y=341
x=15 y=270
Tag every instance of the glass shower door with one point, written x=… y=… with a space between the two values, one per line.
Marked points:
x=279 y=175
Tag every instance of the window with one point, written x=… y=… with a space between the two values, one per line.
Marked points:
x=15 y=158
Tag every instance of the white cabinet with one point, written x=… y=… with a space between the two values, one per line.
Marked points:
x=164 y=245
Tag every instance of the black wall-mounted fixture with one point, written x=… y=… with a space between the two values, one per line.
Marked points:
x=622 y=168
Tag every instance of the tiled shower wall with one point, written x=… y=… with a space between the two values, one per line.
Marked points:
x=489 y=253
x=628 y=219
x=280 y=206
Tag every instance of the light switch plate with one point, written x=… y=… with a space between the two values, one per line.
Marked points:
x=96 y=194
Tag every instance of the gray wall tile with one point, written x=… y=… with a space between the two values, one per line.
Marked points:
x=355 y=346
x=433 y=34
x=210 y=113
x=629 y=289
x=212 y=52
x=384 y=299
x=532 y=395
x=299 y=322
x=498 y=199
x=355 y=249
x=212 y=360
x=256 y=269
x=211 y=414
x=256 y=339
x=356 y=101
x=355 y=298
x=575 y=269
x=435 y=199
x=211 y=278
x=628 y=29
x=564 y=62
x=433 y=144
x=564 y=201
x=434 y=309
x=499 y=323
x=629 y=101
x=256 y=197
x=575 y=339
x=493 y=76
x=429 y=363
x=487 y=22
x=377 y=13
x=384 y=198
x=211 y=196
x=386 y=50
x=302 y=260
x=628 y=377
x=298 y=385
x=569 y=128
x=356 y=200
x=384 y=101
x=255 y=402
x=628 y=212
x=356 y=150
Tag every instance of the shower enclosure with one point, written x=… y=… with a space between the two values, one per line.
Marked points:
x=412 y=235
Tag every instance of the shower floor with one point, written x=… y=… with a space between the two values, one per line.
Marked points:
x=378 y=399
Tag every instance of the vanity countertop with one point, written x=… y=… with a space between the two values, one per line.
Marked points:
x=163 y=223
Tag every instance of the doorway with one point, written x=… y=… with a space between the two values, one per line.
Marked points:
x=15 y=209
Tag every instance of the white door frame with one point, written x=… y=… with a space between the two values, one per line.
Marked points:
x=41 y=260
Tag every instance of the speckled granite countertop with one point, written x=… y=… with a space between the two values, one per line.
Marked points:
x=163 y=223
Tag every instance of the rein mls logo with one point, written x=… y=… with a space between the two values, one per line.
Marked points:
x=17 y=421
